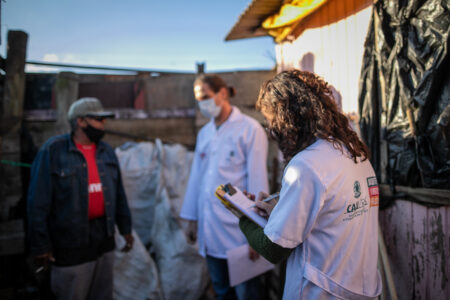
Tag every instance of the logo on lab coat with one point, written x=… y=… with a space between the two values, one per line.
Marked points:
x=356 y=209
x=356 y=189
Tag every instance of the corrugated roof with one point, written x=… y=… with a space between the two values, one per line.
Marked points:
x=249 y=22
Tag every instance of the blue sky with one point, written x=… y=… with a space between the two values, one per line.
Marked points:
x=168 y=35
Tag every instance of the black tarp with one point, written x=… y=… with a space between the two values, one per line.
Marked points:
x=404 y=93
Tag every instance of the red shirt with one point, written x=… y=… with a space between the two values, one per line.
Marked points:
x=96 y=201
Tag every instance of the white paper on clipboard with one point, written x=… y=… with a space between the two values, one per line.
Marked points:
x=242 y=203
x=241 y=268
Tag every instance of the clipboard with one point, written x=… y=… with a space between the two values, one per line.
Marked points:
x=233 y=198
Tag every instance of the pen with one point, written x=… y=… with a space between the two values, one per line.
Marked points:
x=273 y=196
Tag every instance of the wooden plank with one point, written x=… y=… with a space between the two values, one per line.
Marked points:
x=112 y=94
x=447 y=246
x=14 y=89
x=348 y=61
x=46 y=115
x=168 y=92
x=396 y=227
x=385 y=270
x=417 y=239
x=66 y=92
x=180 y=130
x=352 y=56
x=334 y=50
x=43 y=115
x=323 y=16
x=11 y=184
x=11 y=113
x=420 y=252
x=327 y=54
x=342 y=63
x=438 y=281
x=124 y=114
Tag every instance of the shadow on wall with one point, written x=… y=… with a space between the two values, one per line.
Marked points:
x=307 y=64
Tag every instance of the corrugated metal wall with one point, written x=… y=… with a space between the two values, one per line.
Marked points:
x=330 y=43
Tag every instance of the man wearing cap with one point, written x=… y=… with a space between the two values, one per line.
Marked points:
x=75 y=199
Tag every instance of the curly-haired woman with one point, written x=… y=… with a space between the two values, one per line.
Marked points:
x=326 y=220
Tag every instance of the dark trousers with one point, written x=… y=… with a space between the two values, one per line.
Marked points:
x=85 y=272
x=90 y=280
x=218 y=271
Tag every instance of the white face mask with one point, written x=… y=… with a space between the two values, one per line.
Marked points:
x=208 y=108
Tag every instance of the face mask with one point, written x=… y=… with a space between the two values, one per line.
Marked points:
x=208 y=108
x=94 y=134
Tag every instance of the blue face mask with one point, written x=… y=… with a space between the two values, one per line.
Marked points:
x=208 y=108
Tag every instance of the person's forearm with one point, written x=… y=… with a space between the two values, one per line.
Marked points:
x=261 y=243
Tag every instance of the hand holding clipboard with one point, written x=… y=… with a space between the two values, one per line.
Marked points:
x=265 y=206
x=240 y=204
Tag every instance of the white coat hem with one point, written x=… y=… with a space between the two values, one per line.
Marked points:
x=323 y=281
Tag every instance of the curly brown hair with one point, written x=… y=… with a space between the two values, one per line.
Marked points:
x=304 y=110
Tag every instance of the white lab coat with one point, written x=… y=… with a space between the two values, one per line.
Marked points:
x=328 y=212
x=234 y=153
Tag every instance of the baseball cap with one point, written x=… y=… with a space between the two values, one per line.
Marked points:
x=88 y=107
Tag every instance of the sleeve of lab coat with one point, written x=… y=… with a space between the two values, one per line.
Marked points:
x=257 y=148
x=301 y=198
x=189 y=209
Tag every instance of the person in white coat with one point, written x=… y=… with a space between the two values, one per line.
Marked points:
x=231 y=148
x=326 y=220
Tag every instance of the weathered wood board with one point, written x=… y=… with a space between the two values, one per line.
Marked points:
x=418 y=244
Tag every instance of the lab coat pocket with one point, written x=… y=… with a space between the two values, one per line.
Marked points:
x=330 y=285
x=231 y=157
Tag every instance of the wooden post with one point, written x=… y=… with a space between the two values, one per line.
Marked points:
x=11 y=115
x=66 y=92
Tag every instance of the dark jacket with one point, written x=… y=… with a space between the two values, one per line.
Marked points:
x=58 y=195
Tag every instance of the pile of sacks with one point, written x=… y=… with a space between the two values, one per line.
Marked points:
x=162 y=264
